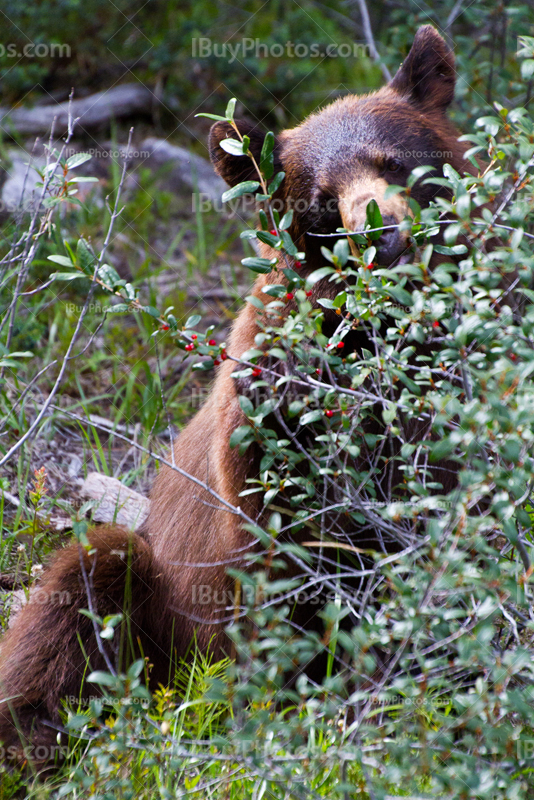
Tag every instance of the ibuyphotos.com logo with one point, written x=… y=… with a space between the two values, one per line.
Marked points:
x=204 y=47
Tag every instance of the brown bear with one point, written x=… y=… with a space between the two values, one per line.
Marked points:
x=335 y=162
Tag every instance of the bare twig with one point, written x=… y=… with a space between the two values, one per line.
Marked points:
x=368 y=32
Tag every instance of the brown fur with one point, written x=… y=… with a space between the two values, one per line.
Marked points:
x=41 y=660
x=189 y=540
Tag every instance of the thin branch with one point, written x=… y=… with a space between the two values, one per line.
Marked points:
x=368 y=32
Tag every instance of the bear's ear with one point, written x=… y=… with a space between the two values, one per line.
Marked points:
x=235 y=169
x=428 y=74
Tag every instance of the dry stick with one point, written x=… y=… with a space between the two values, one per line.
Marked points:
x=435 y=222
x=366 y=22
x=163 y=401
x=228 y=506
x=89 y=590
x=455 y=13
x=510 y=194
x=67 y=358
x=31 y=243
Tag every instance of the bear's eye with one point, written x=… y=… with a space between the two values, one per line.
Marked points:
x=393 y=165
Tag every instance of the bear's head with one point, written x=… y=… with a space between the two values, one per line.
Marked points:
x=343 y=156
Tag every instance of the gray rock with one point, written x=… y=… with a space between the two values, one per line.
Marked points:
x=20 y=191
x=186 y=168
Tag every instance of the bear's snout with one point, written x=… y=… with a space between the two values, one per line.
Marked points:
x=392 y=245
x=353 y=202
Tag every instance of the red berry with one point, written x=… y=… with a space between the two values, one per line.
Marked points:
x=340 y=345
x=224 y=355
x=256 y=371
x=290 y=296
x=193 y=336
x=298 y=264
x=164 y=328
x=370 y=266
x=273 y=232
x=513 y=356
x=318 y=371
x=435 y=324
x=309 y=293
x=216 y=362
x=190 y=347
x=329 y=412
x=212 y=342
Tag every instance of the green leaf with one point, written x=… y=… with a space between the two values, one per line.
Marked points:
x=63 y=260
x=358 y=238
x=369 y=255
x=193 y=321
x=84 y=257
x=230 y=108
x=311 y=416
x=82 y=179
x=418 y=173
x=275 y=523
x=240 y=435
x=261 y=265
x=373 y=215
x=401 y=296
x=325 y=302
x=268 y=238
x=276 y=182
x=277 y=352
x=267 y=158
x=455 y=250
x=286 y=220
x=276 y=290
x=216 y=117
x=67 y=276
x=389 y=413
x=242 y=188
x=255 y=301
x=108 y=274
x=75 y=723
x=102 y=678
x=288 y=245
x=318 y=274
x=232 y=146
x=136 y=668
x=442 y=449
x=263 y=220
x=393 y=190
x=341 y=251
x=77 y=159
x=246 y=405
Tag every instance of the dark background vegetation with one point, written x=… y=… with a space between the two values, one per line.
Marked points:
x=152 y=43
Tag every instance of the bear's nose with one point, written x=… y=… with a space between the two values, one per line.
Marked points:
x=391 y=245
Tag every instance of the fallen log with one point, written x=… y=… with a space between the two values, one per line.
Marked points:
x=92 y=111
